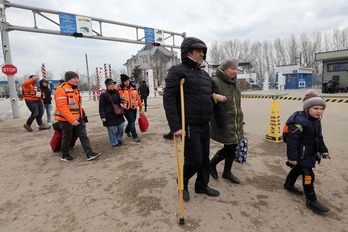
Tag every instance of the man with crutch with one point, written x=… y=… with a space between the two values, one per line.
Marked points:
x=200 y=94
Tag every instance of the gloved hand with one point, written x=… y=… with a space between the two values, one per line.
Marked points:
x=325 y=155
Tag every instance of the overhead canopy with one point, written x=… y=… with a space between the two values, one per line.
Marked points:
x=333 y=55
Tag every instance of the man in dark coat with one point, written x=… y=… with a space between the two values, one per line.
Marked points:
x=144 y=92
x=200 y=96
x=47 y=99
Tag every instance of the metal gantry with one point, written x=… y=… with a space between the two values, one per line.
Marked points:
x=99 y=33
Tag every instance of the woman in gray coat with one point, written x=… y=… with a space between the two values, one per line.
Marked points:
x=232 y=134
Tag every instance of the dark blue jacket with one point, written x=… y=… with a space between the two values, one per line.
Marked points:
x=106 y=110
x=304 y=139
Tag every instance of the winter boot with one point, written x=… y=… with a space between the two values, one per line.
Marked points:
x=317 y=207
x=231 y=177
x=214 y=161
x=28 y=127
x=290 y=187
x=227 y=174
x=186 y=194
x=168 y=136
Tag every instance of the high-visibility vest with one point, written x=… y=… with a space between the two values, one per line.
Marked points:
x=129 y=97
x=31 y=91
x=68 y=103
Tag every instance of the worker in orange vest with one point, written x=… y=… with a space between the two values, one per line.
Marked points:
x=130 y=101
x=33 y=98
x=71 y=117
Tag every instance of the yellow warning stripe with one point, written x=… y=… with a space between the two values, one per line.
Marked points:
x=297 y=98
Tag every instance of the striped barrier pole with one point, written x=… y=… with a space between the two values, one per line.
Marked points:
x=154 y=80
x=93 y=92
x=105 y=71
x=43 y=70
x=110 y=72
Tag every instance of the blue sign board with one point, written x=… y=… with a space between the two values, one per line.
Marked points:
x=67 y=23
x=149 y=35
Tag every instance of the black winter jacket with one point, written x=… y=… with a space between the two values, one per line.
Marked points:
x=143 y=90
x=47 y=93
x=304 y=139
x=198 y=90
x=106 y=110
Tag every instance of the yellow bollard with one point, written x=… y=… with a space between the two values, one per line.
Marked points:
x=274 y=131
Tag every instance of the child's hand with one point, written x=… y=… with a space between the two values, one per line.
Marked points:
x=326 y=155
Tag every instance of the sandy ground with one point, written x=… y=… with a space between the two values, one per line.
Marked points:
x=133 y=188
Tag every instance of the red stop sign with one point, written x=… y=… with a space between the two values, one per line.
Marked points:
x=9 y=69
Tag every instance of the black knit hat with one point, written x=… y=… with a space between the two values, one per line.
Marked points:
x=124 y=77
x=70 y=75
x=109 y=81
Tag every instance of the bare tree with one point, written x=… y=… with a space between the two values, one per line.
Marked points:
x=280 y=52
x=292 y=52
x=215 y=53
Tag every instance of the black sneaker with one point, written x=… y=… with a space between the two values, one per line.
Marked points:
x=92 y=155
x=66 y=158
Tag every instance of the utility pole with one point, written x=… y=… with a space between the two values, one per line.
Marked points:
x=261 y=68
x=88 y=77
x=8 y=59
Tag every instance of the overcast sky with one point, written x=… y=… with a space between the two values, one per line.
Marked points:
x=206 y=19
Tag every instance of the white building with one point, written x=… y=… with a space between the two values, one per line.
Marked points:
x=158 y=57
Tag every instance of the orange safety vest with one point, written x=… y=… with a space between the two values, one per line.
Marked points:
x=31 y=91
x=129 y=97
x=68 y=103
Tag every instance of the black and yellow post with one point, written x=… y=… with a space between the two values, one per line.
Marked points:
x=274 y=130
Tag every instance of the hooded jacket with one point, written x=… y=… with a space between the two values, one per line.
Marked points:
x=232 y=133
x=198 y=90
x=47 y=93
x=304 y=138
x=144 y=90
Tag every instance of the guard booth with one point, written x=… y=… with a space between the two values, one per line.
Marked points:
x=335 y=69
x=296 y=77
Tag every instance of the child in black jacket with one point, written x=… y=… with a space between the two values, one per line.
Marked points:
x=305 y=146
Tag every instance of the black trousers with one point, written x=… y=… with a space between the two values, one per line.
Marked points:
x=144 y=100
x=308 y=178
x=197 y=147
x=228 y=152
x=67 y=132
